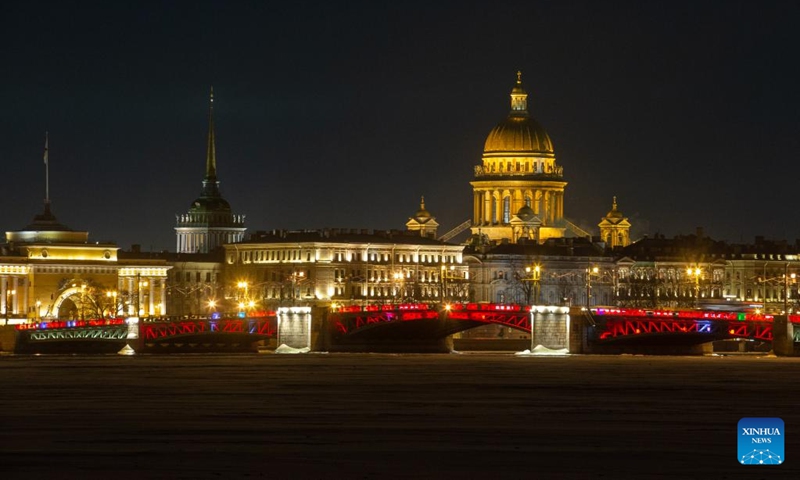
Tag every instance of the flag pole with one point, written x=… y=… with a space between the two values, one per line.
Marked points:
x=46 y=170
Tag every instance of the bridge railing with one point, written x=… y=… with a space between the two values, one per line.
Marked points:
x=687 y=314
x=49 y=325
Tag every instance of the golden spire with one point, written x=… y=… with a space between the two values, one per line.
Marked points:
x=519 y=98
x=614 y=205
x=422 y=203
x=211 y=154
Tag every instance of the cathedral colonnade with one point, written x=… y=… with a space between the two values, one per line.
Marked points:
x=142 y=294
x=497 y=206
x=13 y=295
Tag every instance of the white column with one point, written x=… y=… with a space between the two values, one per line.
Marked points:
x=3 y=293
x=15 y=297
x=487 y=207
x=24 y=302
x=150 y=304
x=163 y=296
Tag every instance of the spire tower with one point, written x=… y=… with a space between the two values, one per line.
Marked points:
x=210 y=222
x=211 y=153
x=210 y=183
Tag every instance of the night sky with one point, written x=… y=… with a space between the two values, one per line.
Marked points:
x=339 y=114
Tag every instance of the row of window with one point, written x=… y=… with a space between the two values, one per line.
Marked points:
x=344 y=256
x=193 y=276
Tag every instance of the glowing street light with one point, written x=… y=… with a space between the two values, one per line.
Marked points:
x=534 y=275
x=589 y=272
x=696 y=273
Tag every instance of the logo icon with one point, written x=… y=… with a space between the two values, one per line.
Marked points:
x=761 y=441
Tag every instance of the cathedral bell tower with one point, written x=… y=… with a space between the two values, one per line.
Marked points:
x=615 y=228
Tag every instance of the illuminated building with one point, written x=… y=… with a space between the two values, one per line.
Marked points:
x=340 y=266
x=48 y=270
x=423 y=222
x=571 y=271
x=615 y=228
x=209 y=222
x=518 y=190
x=193 y=281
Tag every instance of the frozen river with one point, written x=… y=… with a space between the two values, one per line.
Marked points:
x=390 y=416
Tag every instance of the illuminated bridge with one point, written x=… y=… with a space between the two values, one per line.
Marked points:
x=146 y=335
x=683 y=327
x=190 y=335
x=418 y=327
x=424 y=327
x=105 y=335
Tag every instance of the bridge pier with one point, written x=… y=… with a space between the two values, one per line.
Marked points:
x=783 y=334
x=552 y=327
x=294 y=327
x=8 y=338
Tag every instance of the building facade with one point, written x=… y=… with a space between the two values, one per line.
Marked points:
x=49 y=271
x=340 y=266
x=571 y=272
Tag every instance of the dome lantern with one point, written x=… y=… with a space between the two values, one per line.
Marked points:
x=519 y=98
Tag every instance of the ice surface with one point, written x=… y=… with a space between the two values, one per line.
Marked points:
x=291 y=350
x=542 y=350
x=470 y=416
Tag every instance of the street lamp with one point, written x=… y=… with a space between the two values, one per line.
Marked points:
x=111 y=295
x=398 y=283
x=242 y=297
x=696 y=272
x=786 y=277
x=589 y=272
x=297 y=277
x=534 y=275
x=447 y=274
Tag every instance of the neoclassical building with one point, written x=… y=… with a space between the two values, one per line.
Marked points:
x=321 y=267
x=49 y=271
x=518 y=188
x=210 y=222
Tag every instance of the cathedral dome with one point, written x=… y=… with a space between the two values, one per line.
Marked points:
x=519 y=132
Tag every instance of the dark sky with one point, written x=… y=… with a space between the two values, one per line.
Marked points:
x=339 y=114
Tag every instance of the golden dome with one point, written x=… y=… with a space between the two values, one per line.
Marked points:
x=519 y=132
